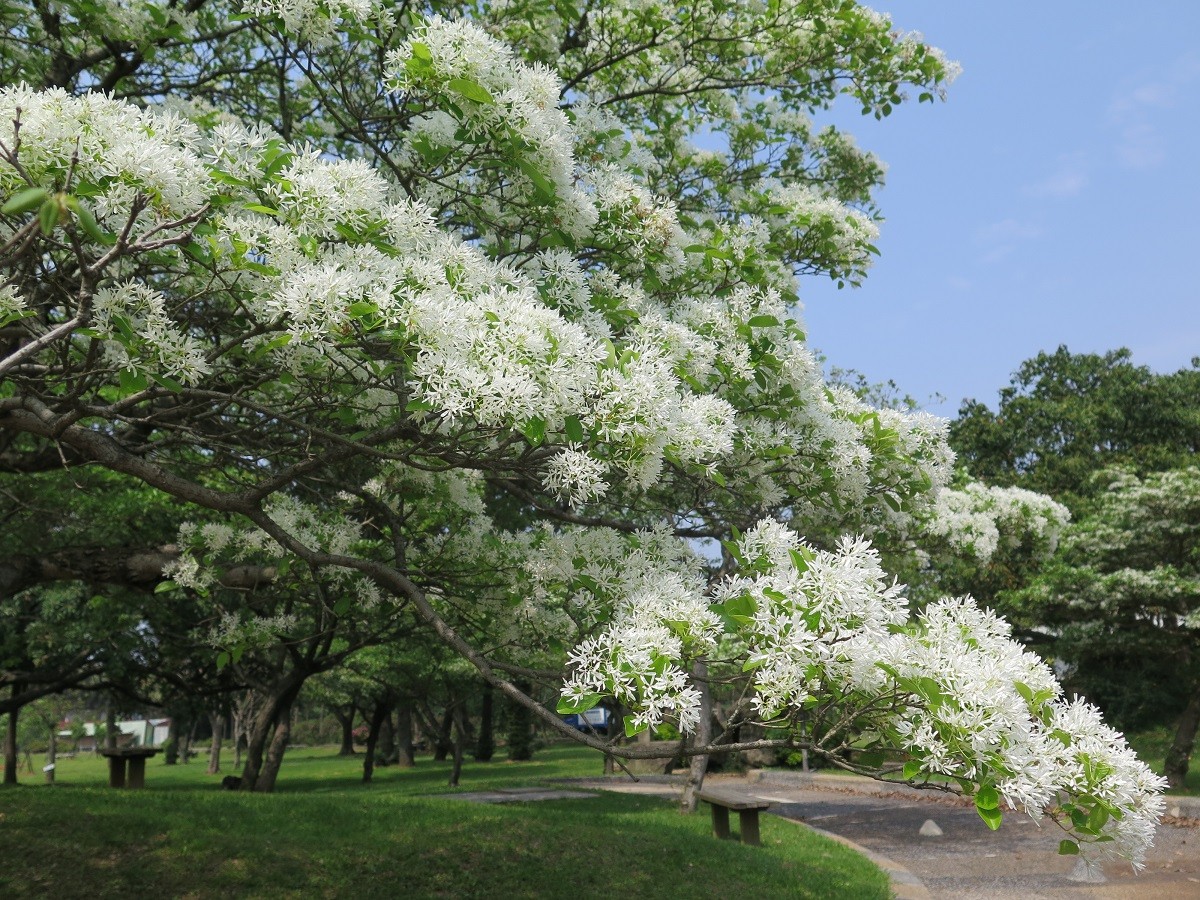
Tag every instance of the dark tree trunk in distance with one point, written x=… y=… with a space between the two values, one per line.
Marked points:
x=387 y=739
x=520 y=728
x=10 y=743
x=217 y=722
x=485 y=747
x=444 y=743
x=1175 y=767
x=377 y=716
x=171 y=747
x=404 y=736
x=346 y=720
x=460 y=738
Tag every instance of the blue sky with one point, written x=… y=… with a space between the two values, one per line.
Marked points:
x=1052 y=199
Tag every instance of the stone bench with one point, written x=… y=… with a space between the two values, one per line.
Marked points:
x=747 y=808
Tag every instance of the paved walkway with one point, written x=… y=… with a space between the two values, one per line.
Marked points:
x=1018 y=862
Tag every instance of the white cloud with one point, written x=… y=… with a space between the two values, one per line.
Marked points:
x=1066 y=182
x=1133 y=113
x=999 y=239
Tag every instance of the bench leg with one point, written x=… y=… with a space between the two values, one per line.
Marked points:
x=137 y=772
x=116 y=772
x=720 y=816
x=749 y=823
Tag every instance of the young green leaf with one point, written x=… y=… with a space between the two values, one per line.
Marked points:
x=24 y=201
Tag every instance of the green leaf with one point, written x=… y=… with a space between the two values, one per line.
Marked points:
x=1068 y=848
x=164 y=587
x=912 y=769
x=534 y=431
x=763 y=322
x=24 y=201
x=718 y=478
x=259 y=208
x=574 y=429
x=987 y=798
x=342 y=606
x=48 y=216
x=587 y=701
x=222 y=660
x=991 y=817
x=168 y=382
x=631 y=729
x=472 y=90
x=88 y=222
x=542 y=186
x=420 y=51
x=132 y=381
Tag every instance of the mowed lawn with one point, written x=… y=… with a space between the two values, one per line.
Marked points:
x=324 y=834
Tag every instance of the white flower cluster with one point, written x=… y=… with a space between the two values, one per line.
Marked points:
x=123 y=153
x=498 y=98
x=977 y=518
x=969 y=702
x=316 y=20
x=140 y=334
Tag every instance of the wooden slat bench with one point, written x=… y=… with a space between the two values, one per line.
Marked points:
x=747 y=807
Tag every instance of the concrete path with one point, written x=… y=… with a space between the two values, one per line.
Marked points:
x=1018 y=862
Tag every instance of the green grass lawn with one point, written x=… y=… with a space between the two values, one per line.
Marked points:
x=324 y=834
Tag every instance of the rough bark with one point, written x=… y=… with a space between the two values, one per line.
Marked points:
x=1175 y=767
x=265 y=783
x=699 y=763
x=217 y=722
x=272 y=721
x=346 y=720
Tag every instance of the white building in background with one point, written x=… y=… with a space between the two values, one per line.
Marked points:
x=144 y=733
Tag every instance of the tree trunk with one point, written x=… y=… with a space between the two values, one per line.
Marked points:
x=387 y=738
x=273 y=722
x=171 y=746
x=404 y=736
x=346 y=720
x=217 y=723
x=378 y=716
x=520 y=727
x=616 y=728
x=485 y=747
x=265 y=783
x=699 y=763
x=1175 y=767
x=185 y=748
x=443 y=742
x=10 y=742
x=110 y=726
x=460 y=738
x=52 y=753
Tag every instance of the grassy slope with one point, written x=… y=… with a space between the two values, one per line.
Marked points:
x=325 y=834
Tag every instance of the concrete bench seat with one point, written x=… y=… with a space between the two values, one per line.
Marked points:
x=722 y=801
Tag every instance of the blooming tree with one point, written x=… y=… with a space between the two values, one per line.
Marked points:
x=507 y=337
